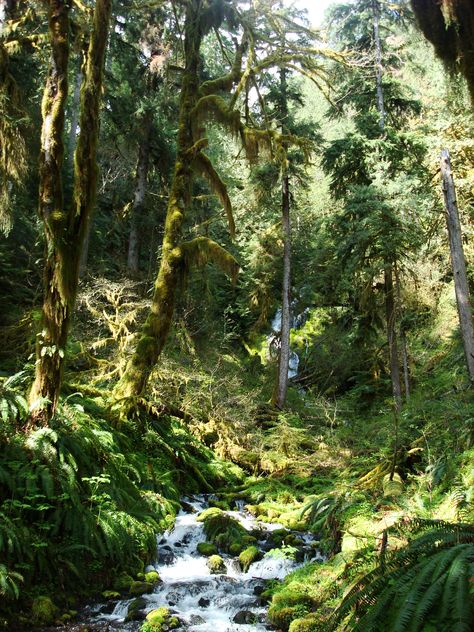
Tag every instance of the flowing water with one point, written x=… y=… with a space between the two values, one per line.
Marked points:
x=205 y=602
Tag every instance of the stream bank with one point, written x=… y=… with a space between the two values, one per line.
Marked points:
x=200 y=592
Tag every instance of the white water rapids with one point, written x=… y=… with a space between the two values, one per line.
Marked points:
x=205 y=602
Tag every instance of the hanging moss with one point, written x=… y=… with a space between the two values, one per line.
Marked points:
x=205 y=168
x=202 y=250
x=449 y=26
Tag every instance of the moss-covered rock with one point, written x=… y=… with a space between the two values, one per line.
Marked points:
x=288 y=605
x=152 y=577
x=135 y=610
x=236 y=548
x=310 y=623
x=159 y=620
x=216 y=565
x=139 y=588
x=220 y=504
x=211 y=512
x=207 y=549
x=222 y=530
x=158 y=616
x=43 y=611
x=110 y=594
x=248 y=557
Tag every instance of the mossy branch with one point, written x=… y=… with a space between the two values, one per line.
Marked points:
x=202 y=250
x=216 y=108
x=204 y=167
x=225 y=83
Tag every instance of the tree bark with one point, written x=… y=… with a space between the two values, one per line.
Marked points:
x=284 y=359
x=458 y=261
x=403 y=339
x=390 y=309
x=143 y=163
x=65 y=229
x=378 y=64
x=157 y=325
x=390 y=313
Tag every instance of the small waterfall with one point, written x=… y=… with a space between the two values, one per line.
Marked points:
x=204 y=602
x=274 y=341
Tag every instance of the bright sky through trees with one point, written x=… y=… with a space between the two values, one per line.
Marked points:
x=315 y=8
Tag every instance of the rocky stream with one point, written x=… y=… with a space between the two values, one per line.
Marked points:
x=195 y=594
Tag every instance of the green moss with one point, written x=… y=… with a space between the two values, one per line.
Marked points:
x=43 y=611
x=310 y=623
x=216 y=565
x=110 y=594
x=207 y=549
x=220 y=504
x=211 y=512
x=158 y=616
x=282 y=617
x=122 y=582
x=248 y=557
x=222 y=530
x=138 y=588
x=236 y=548
x=152 y=578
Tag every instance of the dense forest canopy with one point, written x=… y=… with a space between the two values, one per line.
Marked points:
x=236 y=273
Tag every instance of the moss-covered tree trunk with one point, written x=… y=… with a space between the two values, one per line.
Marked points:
x=65 y=225
x=143 y=163
x=157 y=325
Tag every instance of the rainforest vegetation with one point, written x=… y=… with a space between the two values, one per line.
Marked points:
x=236 y=256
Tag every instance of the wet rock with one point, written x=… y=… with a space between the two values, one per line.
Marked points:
x=136 y=610
x=166 y=555
x=149 y=569
x=207 y=549
x=187 y=507
x=204 y=603
x=258 y=590
x=248 y=557
x=152 y=577
x=245 y=617
x=304 y=553
x=195 y=619
x=138 y=588
x=162 y=619
x=216 y=565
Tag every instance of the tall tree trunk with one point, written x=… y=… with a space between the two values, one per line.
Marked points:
x=458 y=261
x=157 y=325
x=65 y=228
x=284 y=359
x=403 y=338
x=390 y=313
x=51 y=342
x=388 y=268
x=378 y=64
x=143 y=163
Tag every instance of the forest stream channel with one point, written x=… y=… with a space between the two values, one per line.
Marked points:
x=196 y=599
